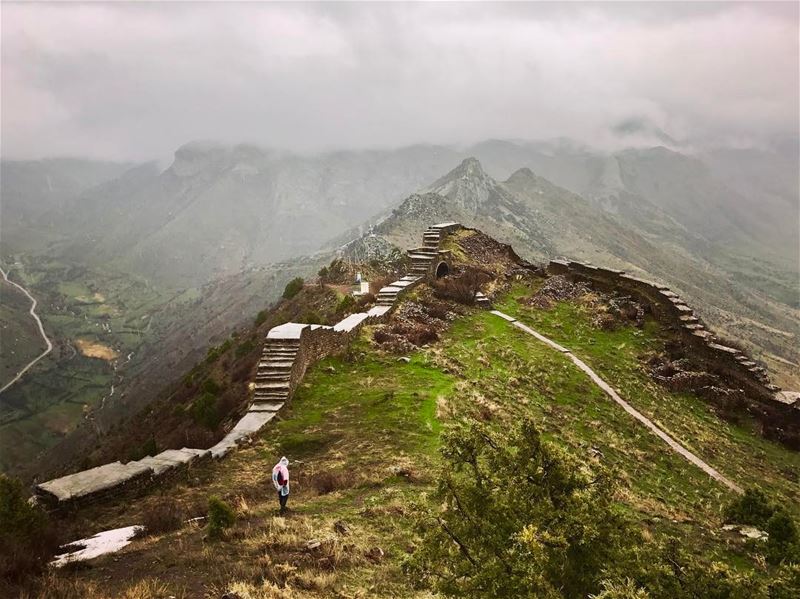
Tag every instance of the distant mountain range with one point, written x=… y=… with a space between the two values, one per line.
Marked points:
x=217 y=210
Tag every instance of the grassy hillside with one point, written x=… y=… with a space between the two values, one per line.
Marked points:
x=362 y=434
x=112 y=331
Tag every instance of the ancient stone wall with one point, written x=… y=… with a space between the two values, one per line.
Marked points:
x=290 y=346
x=731 y=364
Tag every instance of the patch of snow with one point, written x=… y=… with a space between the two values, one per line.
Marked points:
x=108 y=541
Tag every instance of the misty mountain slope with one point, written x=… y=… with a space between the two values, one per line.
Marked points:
x=217 y=210
x=30 y=189
x=745 y=200
x=542 y=221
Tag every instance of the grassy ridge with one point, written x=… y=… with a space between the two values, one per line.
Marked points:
x=362 y=433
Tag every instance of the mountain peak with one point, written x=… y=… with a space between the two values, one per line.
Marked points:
x=467 y=185
x=521 y=175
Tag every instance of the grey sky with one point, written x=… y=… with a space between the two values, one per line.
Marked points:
x=125 y=81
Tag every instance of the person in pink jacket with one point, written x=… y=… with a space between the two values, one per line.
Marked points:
x=280 y=478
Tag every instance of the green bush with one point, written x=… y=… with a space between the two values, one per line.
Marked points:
x=211 y=386
x=220 y=517
x=345 y=305
x=782 y=544
x=514 y=516
x=204 y=411
x=753 y=508
x=261 y=317
x=245 y=348
x=293 y=287
x=27 y=538
x=311 y=317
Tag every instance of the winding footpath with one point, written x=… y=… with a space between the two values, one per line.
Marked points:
x=673 y=444
x=33 y=313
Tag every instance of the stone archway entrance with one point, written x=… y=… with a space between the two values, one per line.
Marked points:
x=442 y=270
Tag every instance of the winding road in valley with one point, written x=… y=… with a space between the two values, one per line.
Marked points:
x=35 y=316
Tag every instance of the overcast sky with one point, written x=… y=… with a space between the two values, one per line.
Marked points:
x=125 y=81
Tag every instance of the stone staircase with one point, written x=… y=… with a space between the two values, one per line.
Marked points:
x=387 y=296
x=274 y=370
x=424 y=256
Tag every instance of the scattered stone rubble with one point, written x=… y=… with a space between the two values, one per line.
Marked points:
x=289 y=350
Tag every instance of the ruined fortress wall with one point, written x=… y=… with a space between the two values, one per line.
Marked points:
x=731 y=364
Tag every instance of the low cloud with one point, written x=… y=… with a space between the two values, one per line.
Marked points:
x=135 y=81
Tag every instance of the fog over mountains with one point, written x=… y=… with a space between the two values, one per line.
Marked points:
x=217 y=209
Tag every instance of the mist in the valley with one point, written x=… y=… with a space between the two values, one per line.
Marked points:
x=136 y=81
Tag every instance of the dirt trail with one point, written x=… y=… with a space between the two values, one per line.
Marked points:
x=673 y=444
x=35 y=316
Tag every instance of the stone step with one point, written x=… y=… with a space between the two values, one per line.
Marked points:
x=278 y=357
x=694 y=326
x=271 y=393
x=271 y=398
x=689 y=318
x=282 y=343
x=703 y=334
x=276 y=364
x=272 y=386
x=273 y=374
x=280 y=352
x=266 y=406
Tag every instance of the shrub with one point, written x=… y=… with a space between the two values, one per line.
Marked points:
x=210 y=386
x=421 y=335
x=204 y=411
x=293 y=287
x=27 y=538
x=463 y=288
x=381 y=336
x=753 y=507
x=346 y=304
x=782 y=544
x=164 y=517
x=245 y=348
x=147 y=448
x=220 y=517
x=261 y=317
x=330 y=481
x=311 y=317
x=517 y=515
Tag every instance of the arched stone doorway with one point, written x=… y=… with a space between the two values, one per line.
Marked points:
x=442 y=270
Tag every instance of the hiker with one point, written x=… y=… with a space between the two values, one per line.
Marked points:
x=280 y=478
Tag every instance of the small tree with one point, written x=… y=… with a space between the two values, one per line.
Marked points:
x=293 y=287
x=220 y=517
x=27 y=538
x=204 y=411
x=463 y=288
x=517 y=518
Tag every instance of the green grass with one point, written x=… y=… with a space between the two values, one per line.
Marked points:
x=736 y=450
